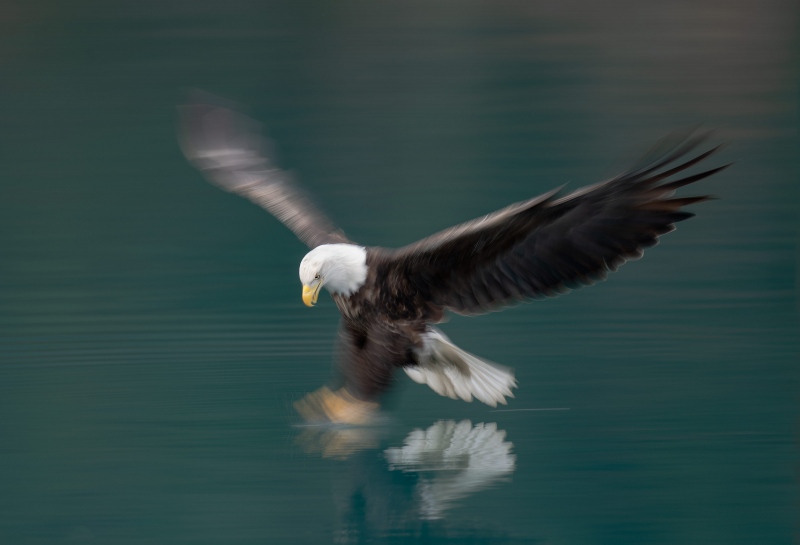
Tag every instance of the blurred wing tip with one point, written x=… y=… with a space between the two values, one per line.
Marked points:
x=725 y=166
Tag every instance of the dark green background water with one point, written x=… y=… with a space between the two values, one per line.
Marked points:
x=152 y=336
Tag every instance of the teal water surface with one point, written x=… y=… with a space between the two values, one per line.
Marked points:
x=152 y=335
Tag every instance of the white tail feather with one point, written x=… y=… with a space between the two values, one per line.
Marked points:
x=455 y=373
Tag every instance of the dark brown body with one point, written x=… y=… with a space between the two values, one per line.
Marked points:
x=381 y=330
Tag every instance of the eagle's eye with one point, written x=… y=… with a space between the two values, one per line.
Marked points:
x=316 y=277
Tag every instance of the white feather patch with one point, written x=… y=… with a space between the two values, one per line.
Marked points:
x=455 y=373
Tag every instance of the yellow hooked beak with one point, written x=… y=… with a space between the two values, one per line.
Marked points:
x=310 y=294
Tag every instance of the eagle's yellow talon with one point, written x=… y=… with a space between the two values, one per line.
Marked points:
x=339 y=407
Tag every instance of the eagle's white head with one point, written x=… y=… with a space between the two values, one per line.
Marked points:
x=342 y=268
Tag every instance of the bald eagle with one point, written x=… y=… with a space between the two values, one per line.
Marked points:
x=390 y=299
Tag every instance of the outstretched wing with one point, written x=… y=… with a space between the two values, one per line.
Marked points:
x=550 y=244
x=232 y=153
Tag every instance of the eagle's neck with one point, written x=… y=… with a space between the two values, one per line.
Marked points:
x=344 y=267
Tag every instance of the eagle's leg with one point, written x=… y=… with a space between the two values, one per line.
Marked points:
x=370 y=351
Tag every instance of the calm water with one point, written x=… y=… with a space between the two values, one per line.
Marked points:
x=152 y=336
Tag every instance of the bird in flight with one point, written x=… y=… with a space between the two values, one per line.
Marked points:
x=391 y=298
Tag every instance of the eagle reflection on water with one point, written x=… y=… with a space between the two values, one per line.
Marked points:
x=407 y=490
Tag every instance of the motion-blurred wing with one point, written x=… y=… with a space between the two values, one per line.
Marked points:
x=231 y=152
x=549 y=245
